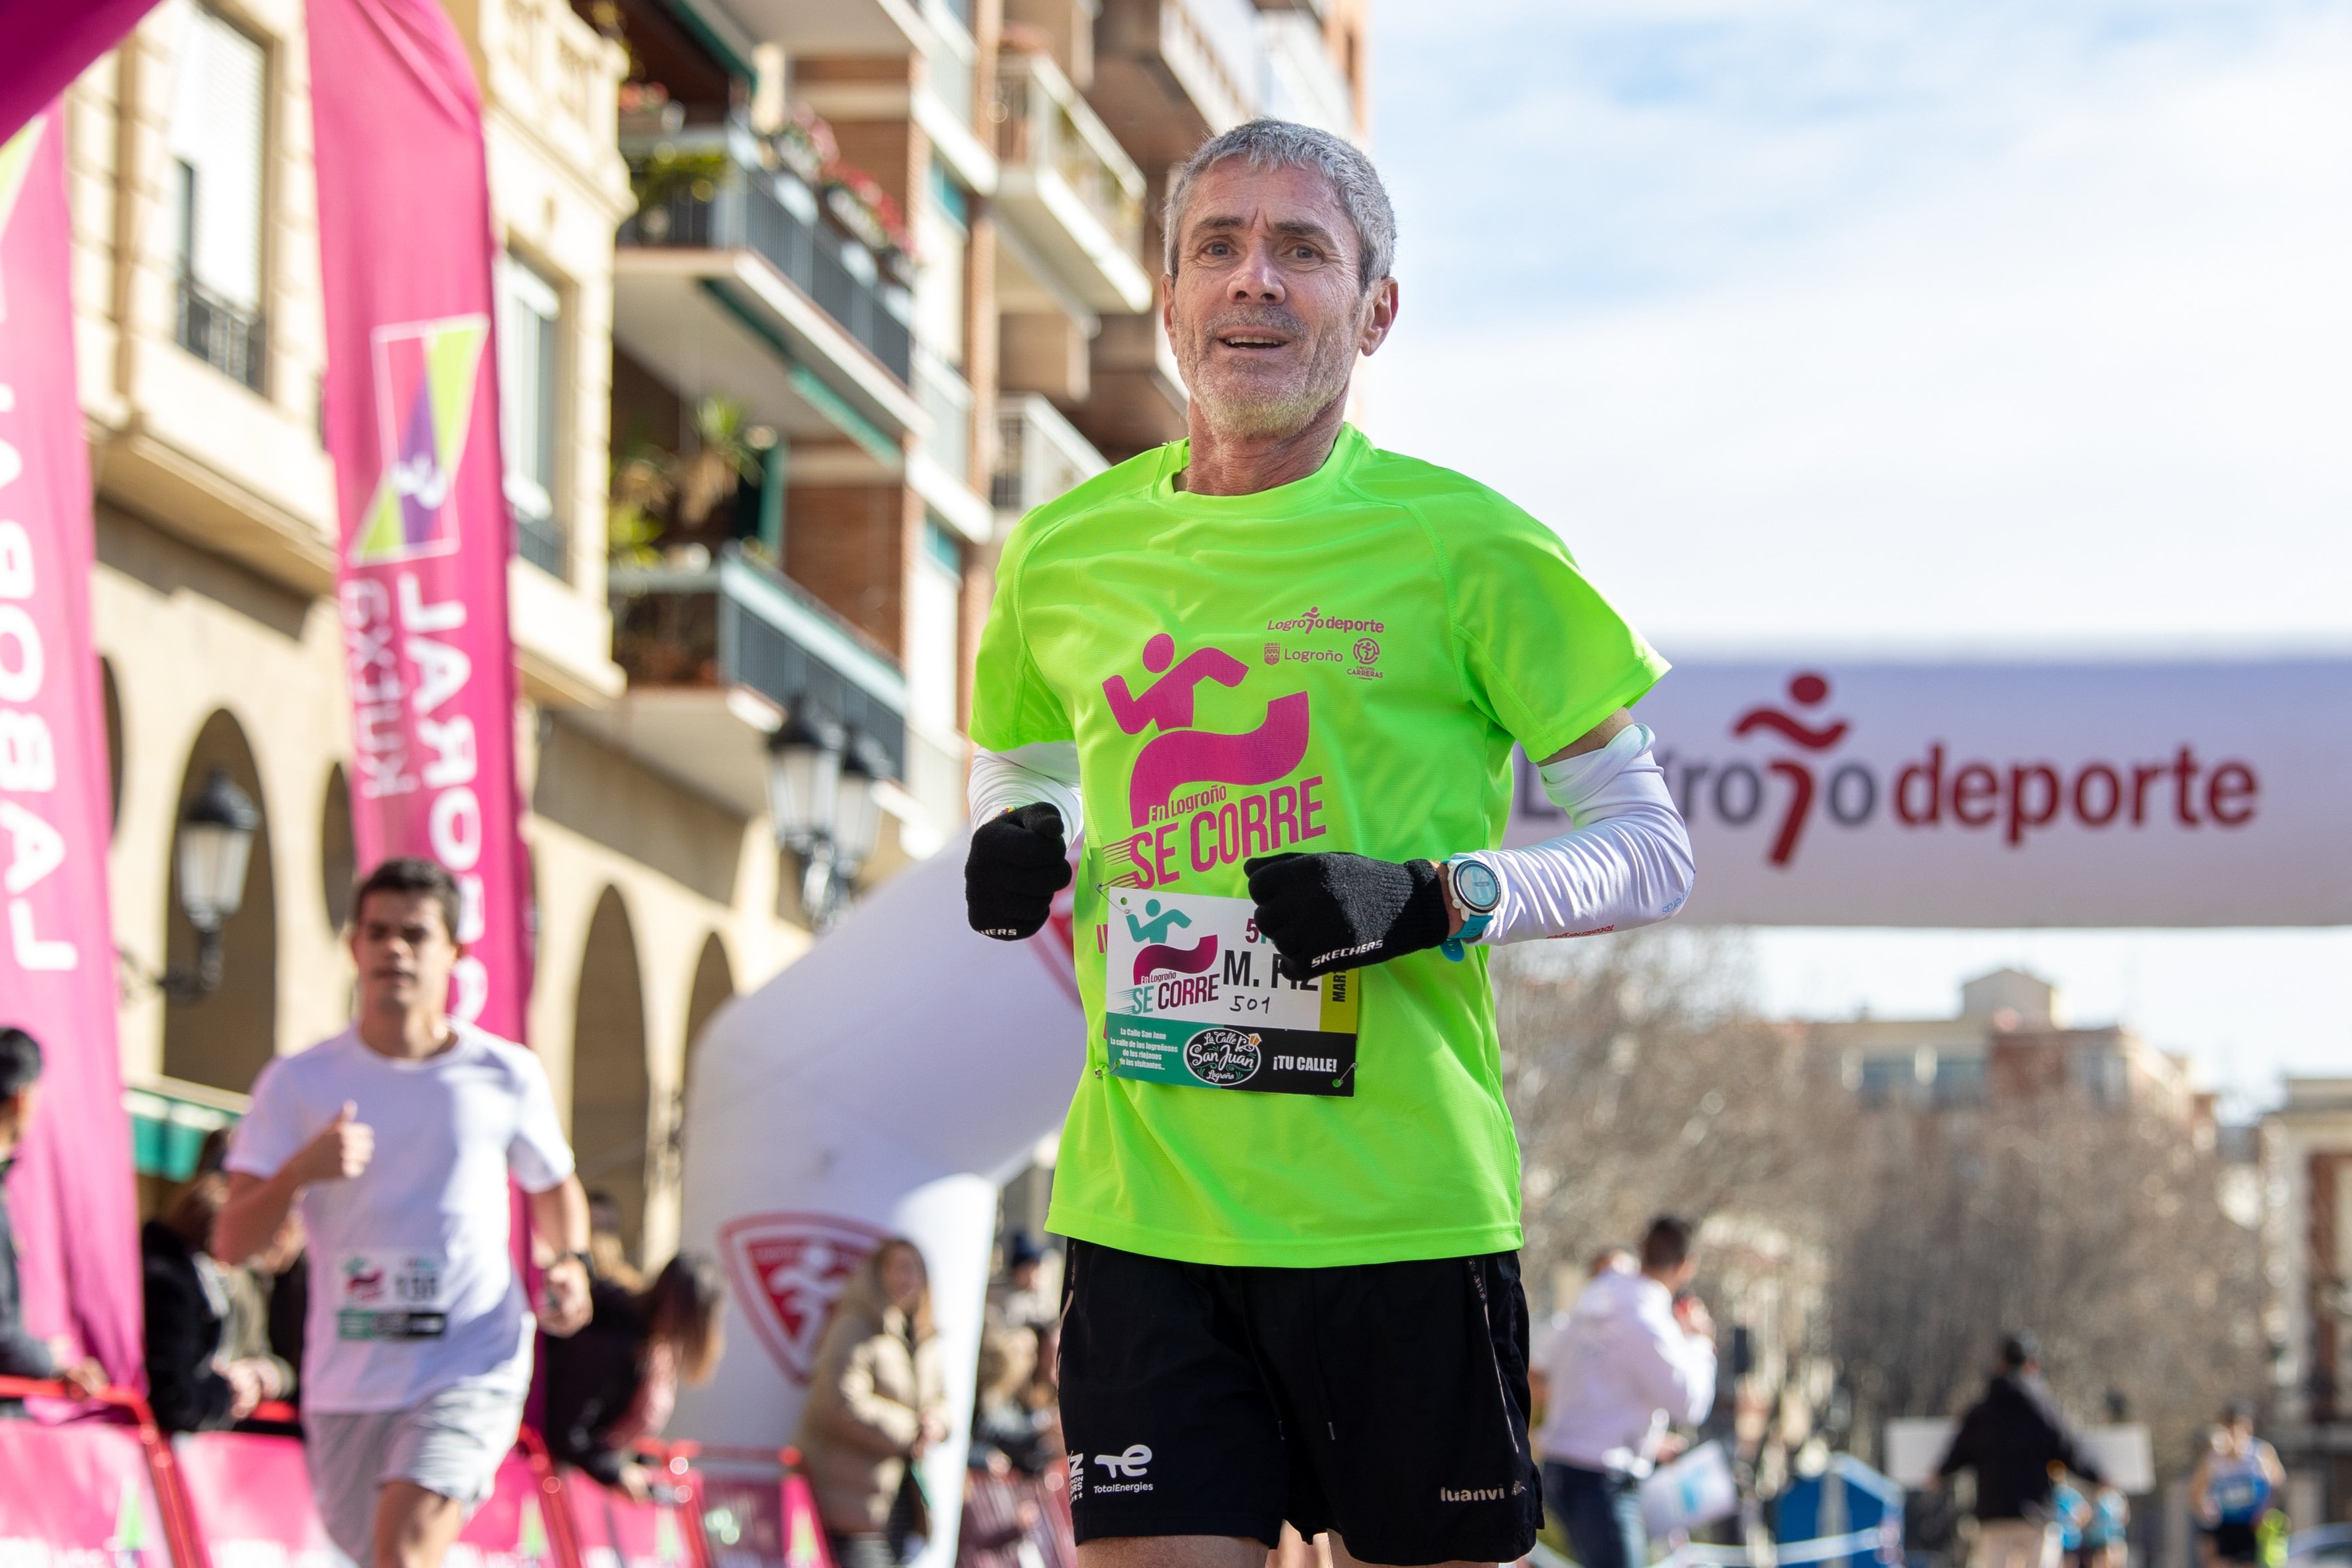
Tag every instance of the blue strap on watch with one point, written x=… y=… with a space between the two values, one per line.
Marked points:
x=1477 y=890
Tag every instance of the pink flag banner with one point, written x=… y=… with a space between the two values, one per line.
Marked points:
x=49 y=44
x=70 y=1192
x=411 y=422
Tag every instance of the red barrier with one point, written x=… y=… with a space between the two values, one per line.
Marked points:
x=525 y=1524
x=757 y=1509
x=248 y=1497
x=84 y=1485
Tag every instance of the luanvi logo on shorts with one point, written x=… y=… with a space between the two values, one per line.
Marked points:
x=1472 y=1494
x=1126 y=1467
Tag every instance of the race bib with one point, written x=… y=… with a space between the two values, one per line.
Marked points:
x=390 y=1295
x=1190 y=997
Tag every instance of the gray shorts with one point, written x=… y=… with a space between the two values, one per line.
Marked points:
x=451 y=1443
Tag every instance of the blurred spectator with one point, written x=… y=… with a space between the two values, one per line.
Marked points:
x=196 y=1379
x=1000 y=1525
x=608 y=1254
x=2012 y=1438
x=878 y=1399
x=616 y=1380
x=2236 y=1477
x=1635 y=1356
x=1020 y=1301
x=1004 y=1424
x=267 y=1294
x=22 y=1355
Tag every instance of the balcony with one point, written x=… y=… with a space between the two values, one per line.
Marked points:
x=718 y=656
x=1040 y=456
x=1070 y=188
x=226 y=336
x=735 y=278
x=1302 y=81
x=1170 y=74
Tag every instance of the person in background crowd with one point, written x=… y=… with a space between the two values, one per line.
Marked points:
x=2069 y=1511
x=1005 y=1425
x=616 y=1380
x=253 y=1329
x=1008 y=1448
x=2106 y=1534
x=419 y=1347
x=2235 y=1480
x=2012 y=1438
x=196 y=1380
x=21 y=1354
x=1020 y=1301
x=878 y=1400
x=608 y=1252
x=1634 y=1357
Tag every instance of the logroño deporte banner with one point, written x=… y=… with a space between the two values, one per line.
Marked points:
x=1995 y=793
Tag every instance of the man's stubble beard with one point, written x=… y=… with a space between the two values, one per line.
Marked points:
x=1256 y=411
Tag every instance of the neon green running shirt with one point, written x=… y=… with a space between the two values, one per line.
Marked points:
x=1341 y=663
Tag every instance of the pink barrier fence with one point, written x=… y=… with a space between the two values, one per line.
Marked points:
x=249 y=1500
x=79 y=1497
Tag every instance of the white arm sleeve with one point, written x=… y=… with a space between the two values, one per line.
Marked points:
x=1626 y=863
x=1047 y=771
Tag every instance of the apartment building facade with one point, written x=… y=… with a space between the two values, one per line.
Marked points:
x=802 y=302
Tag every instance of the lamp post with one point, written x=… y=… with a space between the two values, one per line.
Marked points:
x=820 y=797
x=215 y=846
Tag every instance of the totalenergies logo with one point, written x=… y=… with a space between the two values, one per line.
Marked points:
x=1792 y=772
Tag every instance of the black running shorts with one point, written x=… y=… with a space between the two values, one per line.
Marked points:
x=1386 y=1402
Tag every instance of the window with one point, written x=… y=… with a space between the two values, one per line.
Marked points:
x=214 y=140
x=935 y=592
x=530 y=323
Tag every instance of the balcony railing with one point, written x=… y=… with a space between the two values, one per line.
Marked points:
x=734 y=623
x=1039 y=456
x=224 y=335
x=1048 y=128
x=711 y=193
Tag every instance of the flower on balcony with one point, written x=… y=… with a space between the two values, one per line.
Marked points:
x=805 y=144
x=857 y=199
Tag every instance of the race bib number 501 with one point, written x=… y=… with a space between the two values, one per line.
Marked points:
x=1190 y=997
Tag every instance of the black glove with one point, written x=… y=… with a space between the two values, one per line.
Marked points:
x=1337 y=910
x=1016 y=866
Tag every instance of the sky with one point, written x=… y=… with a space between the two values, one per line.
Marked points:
x=1897 y=324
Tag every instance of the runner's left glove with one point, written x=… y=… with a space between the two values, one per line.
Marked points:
x=1017 y=864
x=1337 y=910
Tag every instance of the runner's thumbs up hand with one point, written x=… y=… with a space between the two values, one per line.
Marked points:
x=341 y=1152
x=1018 y=862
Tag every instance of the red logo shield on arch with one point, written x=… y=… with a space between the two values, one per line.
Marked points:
x=788 y=1270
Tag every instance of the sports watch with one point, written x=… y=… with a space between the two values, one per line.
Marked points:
x=1477 y=890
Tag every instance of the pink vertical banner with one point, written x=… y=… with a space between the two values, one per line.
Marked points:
x=406 y=248
x=50 y=44
x=71 y=1191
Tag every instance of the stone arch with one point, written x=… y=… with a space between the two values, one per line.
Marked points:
x=224 y=1039
x=612 y=1087
x=713 y=988
x=338 y=850
x=111 y=694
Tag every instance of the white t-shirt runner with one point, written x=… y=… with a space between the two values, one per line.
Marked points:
x=413 y=1285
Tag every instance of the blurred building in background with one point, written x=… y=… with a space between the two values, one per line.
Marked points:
x=802 y=302
x=2306 y=1166
x=2009 y=1045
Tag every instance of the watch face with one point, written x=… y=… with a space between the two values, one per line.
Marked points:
x=1475 y=886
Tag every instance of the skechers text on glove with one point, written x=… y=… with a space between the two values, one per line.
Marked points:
x=1018 y=862
x=1338 y=910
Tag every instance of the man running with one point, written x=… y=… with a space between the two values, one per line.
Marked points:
x=419 y=1352
x=1276 y=674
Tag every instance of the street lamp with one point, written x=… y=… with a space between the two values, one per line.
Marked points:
x=215 y=845
x=857 y=817
x=822 y=796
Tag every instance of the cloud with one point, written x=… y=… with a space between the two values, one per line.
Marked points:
x=1890 y=321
